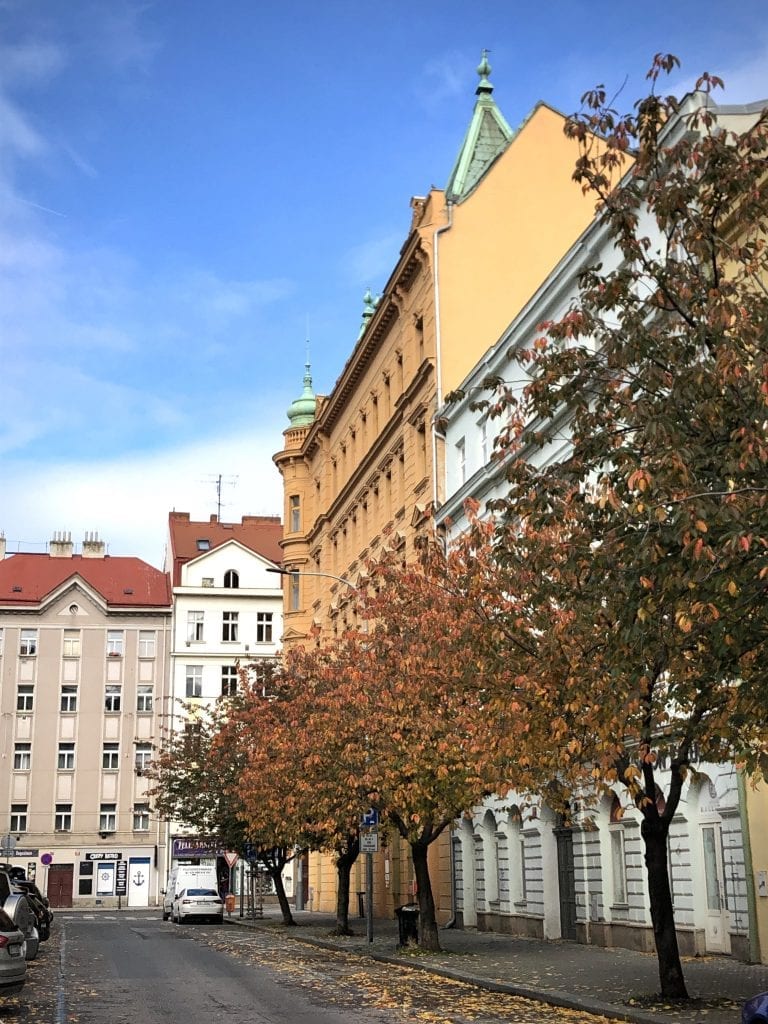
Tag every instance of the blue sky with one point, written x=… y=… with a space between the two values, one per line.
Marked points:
x=187 y=187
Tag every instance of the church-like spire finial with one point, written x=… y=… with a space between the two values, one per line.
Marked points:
x=370 y=302
x=484 y=70
x=302 y=410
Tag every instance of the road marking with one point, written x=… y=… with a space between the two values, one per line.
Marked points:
x=61 y=998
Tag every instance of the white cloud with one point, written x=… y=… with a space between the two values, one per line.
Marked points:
x=127 y=500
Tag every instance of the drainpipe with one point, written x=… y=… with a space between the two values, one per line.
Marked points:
x=438 y=348
x=754 y=938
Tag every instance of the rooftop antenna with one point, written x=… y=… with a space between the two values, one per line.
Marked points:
x=220 y=481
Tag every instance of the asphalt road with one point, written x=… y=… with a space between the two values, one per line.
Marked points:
x=134 y=968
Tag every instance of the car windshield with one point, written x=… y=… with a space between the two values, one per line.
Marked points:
x=202 y=892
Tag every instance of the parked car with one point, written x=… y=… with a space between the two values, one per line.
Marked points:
x=39 y=904
x=13 y=962
x=755 y=1010
x=197 y=904
x=20 y=911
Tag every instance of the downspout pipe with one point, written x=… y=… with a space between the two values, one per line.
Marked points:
x=438 y=351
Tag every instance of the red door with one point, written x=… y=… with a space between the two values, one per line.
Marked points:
x=60 y=878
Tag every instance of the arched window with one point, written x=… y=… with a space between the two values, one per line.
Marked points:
x=231 y=579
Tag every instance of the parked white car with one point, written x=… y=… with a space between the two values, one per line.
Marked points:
x=197 y=904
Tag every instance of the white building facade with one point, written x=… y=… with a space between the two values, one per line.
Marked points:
x=516 y=868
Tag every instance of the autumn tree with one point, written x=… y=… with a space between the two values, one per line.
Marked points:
x=425 y=743
x=648 y=535
x=293 y=782
x=196 y=779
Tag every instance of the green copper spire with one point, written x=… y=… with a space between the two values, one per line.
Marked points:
x=302 y=410
x=370 y=302
x=487 y=137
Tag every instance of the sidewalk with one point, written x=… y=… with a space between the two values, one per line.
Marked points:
x=601 y=981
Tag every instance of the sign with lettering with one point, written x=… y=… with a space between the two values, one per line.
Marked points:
x=121 y=878
x=196 y=847
x=103 y=855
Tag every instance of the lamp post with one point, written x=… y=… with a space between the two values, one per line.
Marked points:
x=368 y=856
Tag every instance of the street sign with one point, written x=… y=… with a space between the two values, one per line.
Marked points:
x=369 y=842
x=369 y=818
x=8 y=845
x=231 y=858
x=121 y=878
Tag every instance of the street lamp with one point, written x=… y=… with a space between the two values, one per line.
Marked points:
x=369 y=854
x=328 y=575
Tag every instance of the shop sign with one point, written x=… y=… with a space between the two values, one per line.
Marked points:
x=196 y=847
x=121 y=878
x=104 y=855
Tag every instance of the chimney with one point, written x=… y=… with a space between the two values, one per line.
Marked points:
x=61 y=545
x=2 y=546
x=92 y=546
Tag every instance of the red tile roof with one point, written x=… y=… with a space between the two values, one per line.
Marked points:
x=26 y=579
x=261 y=534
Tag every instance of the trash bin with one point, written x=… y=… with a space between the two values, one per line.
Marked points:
x=229 y=902
x=408 y=923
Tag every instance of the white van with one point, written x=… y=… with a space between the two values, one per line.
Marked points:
x=182 y=876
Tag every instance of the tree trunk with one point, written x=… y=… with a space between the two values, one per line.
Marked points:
x=344 y=862
x=274 y=861
x=428 y=937
x=654 y=832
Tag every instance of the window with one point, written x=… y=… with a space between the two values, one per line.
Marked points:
x=146 y=643
x=18 y=817
x=231 y=579
x=203 y=544
x=68 y=698
x=115 y=643
x=112 y=697
x=295 y=513
x=484 y=443
x=194 y=680
x=264 y=627
x=293 y=594
x=143 y=756
x=25 y=698
x=461 y=461
x=618 y=865
x=22 y=757
x=228 y=680
x=229 y=626
x=66 y=762
x=144 y=699
x=28 y=642
x=110 y=757
x=62 y=821
x=141 y=817
x=195 y=626
x=71 y=643
x=107 y=817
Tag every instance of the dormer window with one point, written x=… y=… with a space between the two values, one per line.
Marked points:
x=203 y=544
x=231 y=579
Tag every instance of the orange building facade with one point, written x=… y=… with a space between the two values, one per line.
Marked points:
x=362 y=466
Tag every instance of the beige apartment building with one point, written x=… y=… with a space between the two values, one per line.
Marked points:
x=362 y=467
x=83 y=686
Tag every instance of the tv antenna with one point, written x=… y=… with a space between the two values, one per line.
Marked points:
x=220 y=482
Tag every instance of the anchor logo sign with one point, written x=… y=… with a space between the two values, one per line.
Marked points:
x=138 y=878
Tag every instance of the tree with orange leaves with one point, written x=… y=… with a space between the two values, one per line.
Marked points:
x=644 y=547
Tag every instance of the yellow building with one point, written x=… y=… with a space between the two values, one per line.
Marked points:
x=361 y=467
